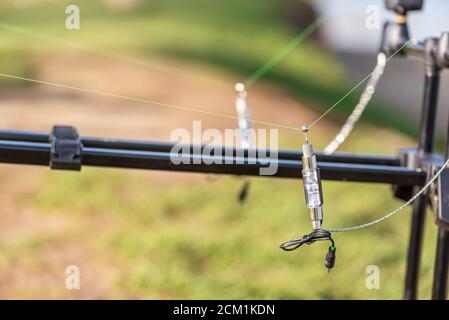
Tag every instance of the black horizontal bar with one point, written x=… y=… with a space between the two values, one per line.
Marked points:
x=37 y=153
x=91 y=142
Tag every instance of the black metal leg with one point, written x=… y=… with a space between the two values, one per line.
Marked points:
x=414 y=249
x=426 y=142
x=441 y=268
x=439 y=291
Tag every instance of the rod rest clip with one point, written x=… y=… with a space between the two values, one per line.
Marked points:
x=66 y=148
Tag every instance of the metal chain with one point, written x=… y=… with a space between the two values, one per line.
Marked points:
x=360 y=107
x=392 y=213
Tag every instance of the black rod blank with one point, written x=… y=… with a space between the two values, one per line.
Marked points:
x=91 y=142
x=37 y=153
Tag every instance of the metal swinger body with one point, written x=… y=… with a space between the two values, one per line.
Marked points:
x=314 y=202
x=312 y=186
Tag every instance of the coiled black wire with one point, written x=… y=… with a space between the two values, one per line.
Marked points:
x=315 y=235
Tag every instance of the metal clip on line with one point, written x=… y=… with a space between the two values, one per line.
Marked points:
x=314 y=201
x=245 y=133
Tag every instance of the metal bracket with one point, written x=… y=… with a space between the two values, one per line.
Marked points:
x=439 y=197
x=429 y=163
x=441 y=213
x=438 y=192
x=409 y=158
x=66 y=148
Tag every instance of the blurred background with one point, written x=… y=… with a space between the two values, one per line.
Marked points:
x=137 y=234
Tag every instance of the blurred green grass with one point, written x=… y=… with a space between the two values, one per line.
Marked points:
x=192 y=240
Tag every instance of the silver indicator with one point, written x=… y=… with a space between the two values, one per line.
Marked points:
x=312 y=188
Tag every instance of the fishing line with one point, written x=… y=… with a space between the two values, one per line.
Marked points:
x=355 y=115
x=354 y=88
x=301 y=37
x=392 y=213
x=163 y=68
x=161 y=104
x=108 y=54
x=364 y=100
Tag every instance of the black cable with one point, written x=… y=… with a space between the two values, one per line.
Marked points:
x=315 y=235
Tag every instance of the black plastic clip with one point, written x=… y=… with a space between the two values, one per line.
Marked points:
x=66 y=149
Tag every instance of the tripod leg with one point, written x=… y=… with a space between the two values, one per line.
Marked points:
x=426 y=140
x=439 y=290
x=414 y=249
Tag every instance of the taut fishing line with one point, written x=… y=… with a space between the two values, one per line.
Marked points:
x=365 y=98
x=354 y=88
x=392 y=213
x=274 y=60
x=299 y=38
x=152 y=102
x=109 y=54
